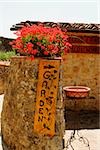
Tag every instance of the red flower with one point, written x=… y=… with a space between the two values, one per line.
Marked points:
x=29 y=46
x=41 y=40
x=34 y=52
x=50 y=47
x=42 y=47
x=55 y=50
x=39 y=44
x=46 y=53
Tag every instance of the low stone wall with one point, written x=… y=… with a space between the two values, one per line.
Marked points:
x=82 y=69
x=4 y=67
x=17 y=121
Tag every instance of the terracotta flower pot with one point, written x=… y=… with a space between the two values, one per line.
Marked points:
x=76 y=91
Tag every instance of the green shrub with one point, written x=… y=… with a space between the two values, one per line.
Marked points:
x=4 y=56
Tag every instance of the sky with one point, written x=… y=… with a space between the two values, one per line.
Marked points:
x=71 y=11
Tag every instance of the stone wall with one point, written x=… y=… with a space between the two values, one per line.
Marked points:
x=17 y=121
x=82 y=69
x=4 y=67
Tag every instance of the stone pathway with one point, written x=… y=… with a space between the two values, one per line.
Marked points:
x=93 y=136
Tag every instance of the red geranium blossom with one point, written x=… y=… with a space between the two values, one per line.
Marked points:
x=38 y=40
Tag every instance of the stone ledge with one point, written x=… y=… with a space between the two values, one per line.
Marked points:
x=4 y=65
x=88 y=104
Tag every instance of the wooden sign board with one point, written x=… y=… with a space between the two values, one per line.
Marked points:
x=47 y=88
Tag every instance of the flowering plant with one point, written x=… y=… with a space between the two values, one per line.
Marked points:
x=38 y=40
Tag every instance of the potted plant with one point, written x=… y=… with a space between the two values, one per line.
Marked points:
x=41 y=41
x=26 y=81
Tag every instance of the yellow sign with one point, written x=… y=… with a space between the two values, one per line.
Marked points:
x=48 y=77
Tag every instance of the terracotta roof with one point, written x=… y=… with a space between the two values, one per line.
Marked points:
x=73 y=27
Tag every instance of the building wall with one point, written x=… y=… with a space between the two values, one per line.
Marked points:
x=4 y=44
x=84 y=42
x=82 y=69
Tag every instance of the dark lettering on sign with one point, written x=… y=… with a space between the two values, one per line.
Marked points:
x=43 y=92
x=49 y=100
x=51 y=93
x=49 y=67
x=52 y=76
x=47 y=109
x=40 y=118
x=41 y=103
x=44 y=120
x=49 y=114
x=45 y=84
x=55 y=86
x=47 y=75
x=48 y=118
x=55 y=71
x=41 y=111
x=45 y=126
